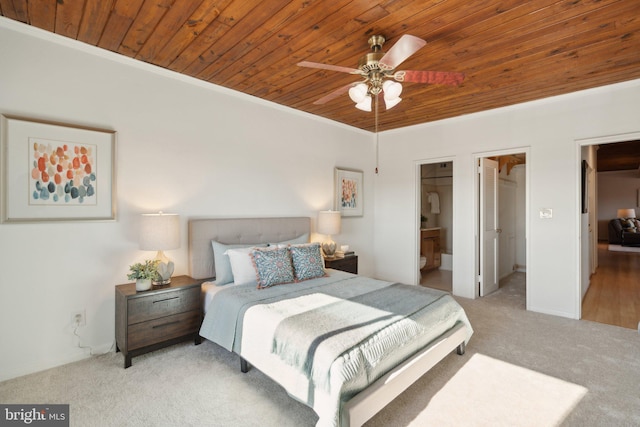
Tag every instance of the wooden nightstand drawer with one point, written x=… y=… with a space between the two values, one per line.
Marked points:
x=164 y=328
x=162 y=316
x=158 y=305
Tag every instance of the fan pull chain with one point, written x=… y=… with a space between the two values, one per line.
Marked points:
x=376 y=129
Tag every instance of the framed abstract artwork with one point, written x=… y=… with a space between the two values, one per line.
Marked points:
x=348 y=192
x=55 y=172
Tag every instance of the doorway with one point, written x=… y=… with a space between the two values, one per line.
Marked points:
x=502 y=224
x=609 y=294
x=436 y=226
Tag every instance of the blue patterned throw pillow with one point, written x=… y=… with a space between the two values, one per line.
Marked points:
x=273 y=266
x=307 y=261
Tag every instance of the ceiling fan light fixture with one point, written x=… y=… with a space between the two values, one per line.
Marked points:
x=365 y=104
x=358 y=93
x=378 y=70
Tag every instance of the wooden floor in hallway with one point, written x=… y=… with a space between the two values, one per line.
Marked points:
x=614 y=292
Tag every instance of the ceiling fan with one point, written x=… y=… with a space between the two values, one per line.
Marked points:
x=378 y=69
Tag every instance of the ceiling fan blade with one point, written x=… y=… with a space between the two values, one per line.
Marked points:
x=333 y=95
x=431 y=77
x=404 y=48
x=328 y=67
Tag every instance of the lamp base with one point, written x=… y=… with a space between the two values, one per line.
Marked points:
x=165 y=271
x=329 y=248
x=162 y=282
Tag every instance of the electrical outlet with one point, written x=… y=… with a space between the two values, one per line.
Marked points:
x=79 y=318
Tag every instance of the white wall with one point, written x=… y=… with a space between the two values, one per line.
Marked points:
x=550 y=129
x=183 y=146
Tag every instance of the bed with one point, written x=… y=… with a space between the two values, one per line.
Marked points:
x=343 y=344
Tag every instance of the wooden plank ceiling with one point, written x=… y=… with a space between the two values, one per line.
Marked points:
x=618 y=156
x=511 y=51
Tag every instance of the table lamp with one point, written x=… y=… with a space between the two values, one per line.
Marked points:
x=160 y=232
x=626 y=213
x=329 y=224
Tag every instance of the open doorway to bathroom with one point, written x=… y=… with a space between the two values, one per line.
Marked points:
x=436 y=225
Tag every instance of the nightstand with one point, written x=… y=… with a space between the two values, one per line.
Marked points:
x=348 y=264
x=159 y=317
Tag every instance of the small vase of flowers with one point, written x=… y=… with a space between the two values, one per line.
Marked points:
x=144 y=274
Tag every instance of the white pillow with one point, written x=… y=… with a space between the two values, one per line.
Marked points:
x=224 y=274
x=242 y=265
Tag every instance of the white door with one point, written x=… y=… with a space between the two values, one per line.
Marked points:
x=489 y=230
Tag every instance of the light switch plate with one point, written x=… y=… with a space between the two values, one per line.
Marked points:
x=546 y=213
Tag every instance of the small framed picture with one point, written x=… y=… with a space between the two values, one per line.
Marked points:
x=348 y=192
x=55 y=172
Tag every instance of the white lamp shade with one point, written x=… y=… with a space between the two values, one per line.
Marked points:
x=626 y=213
x=365 y=104
x=391 y=89
x=358 y=92
x=329 y=222
x=159 y=232
x=390 y=103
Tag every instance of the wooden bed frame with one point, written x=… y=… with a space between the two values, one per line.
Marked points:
x=360 y=408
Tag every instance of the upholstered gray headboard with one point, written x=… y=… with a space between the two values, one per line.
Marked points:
x=236 y=230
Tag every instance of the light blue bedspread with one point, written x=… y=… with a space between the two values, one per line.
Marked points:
x=365 y=328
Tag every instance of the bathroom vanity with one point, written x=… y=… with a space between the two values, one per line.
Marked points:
x=430 y=247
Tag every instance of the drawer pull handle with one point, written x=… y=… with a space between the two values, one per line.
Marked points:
x=166 y=324
x=166 y=299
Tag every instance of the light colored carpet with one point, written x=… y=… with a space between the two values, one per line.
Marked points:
x=520 y=369
x=502 y=394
